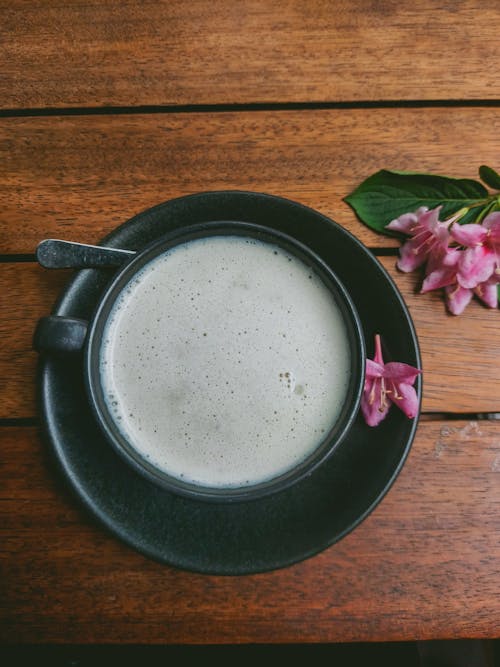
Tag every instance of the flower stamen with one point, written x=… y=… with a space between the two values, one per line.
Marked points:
x=396 y=396
x=371 y=397
x=430 y=240
x=383 y=396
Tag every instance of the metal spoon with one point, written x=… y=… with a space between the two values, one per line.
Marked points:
x=57 y=254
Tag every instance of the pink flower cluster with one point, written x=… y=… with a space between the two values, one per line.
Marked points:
x=462 y=259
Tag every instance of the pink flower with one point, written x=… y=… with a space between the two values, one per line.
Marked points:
x=429 y=237
x=458 y=297
x=447 y=274
x=385 y=383
x=481 y=259
x=442 y=272
x=465 y=271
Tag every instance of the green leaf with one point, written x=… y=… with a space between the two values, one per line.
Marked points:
x=387 y=194
x=489 y=176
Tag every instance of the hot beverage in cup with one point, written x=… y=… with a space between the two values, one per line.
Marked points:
x=224 y=362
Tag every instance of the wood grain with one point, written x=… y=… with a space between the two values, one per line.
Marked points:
x=460 y=354
x=31 y=293
x=80 y=177
x=423 y=565
x=143 y=53
x=461 y=360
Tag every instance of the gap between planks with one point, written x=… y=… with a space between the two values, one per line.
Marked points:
x=250 y=106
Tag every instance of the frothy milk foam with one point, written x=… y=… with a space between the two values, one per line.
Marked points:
x=225 y=361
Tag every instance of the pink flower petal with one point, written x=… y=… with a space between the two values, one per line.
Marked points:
x=409 y=260
x=439 y=278
x=457 y=298
x=468 y=235
x=430 y=220
x=492 y=223
x=441 y=270
x=451 y=257
x=442 y=233
x=397 y=372
x=476 y=265
x=373 y=370
x=371 y=407
x=488 y=293
x=407 y=221
x=406 y=399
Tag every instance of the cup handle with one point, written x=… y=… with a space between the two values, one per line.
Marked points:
x=60 y=334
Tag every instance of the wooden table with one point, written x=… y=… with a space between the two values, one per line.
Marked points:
x=108 y=108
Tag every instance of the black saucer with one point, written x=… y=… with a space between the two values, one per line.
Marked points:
x=264 y=534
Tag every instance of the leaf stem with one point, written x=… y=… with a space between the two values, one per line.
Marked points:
x=487 y=209
x=482 y=202
x=488 y=205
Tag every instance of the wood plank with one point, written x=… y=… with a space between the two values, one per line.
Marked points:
x=204 y=52
x=31 y=292
x=461 y=362
x=79 y=177
x=423 y=565
x=460 y=354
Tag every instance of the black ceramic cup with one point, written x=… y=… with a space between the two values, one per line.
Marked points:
x=64 y=335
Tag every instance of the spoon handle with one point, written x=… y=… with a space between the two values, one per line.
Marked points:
x=57 y=254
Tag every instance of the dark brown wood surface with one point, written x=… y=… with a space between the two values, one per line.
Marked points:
x=424 y=564
x=401 y=85
x=79 y=177
x=211 y=52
